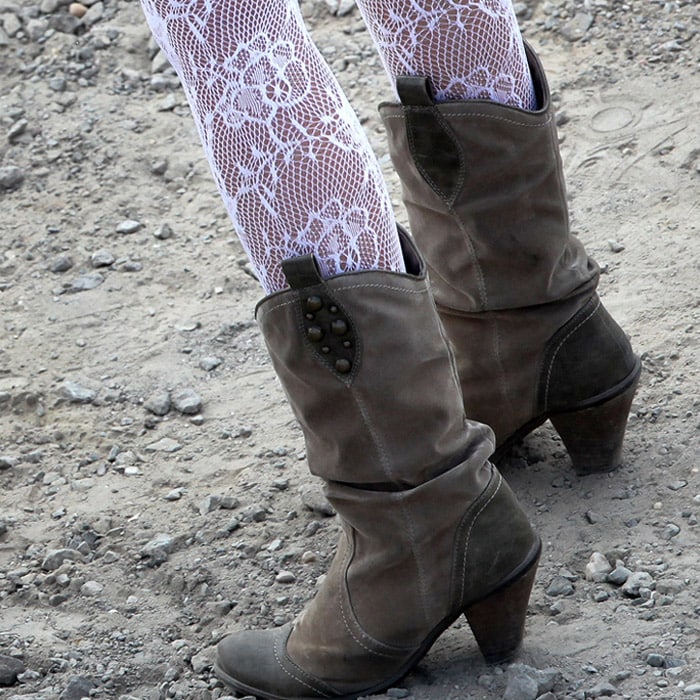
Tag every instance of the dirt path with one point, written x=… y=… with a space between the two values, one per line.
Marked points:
x=153 y=483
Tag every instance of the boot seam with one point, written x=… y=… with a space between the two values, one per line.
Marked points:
x=444 y=125
x=503 y=381
x=392 y=651
x=422 y=588
x=282 y=304
x=558 y=348
x=483 y=292
x=301 y=672
x=479 y=115
x=469 y=533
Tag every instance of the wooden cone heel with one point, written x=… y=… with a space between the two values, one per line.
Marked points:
x=593 y=436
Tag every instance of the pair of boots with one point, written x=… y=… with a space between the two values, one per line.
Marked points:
x=430 y=529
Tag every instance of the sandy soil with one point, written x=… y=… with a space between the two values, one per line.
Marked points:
x=131 y=541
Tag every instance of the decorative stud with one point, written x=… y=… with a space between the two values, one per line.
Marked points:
x=314 y=303
x=314 y=334
x=343 y=366
x=339 y=326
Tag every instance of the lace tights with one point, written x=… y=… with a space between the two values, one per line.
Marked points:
x=290 y=159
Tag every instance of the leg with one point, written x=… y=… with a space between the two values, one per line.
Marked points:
x=430 y=529
x=282 y=141
x=470 y=49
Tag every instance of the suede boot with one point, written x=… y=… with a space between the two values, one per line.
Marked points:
x=431 y=531
x=485 y=196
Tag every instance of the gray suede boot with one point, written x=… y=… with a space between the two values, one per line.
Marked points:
x=431 y=530
x=485 y=196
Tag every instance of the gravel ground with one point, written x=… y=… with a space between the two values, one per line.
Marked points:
x=153 y=485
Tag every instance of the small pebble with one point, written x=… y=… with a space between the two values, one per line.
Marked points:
x=285 y=577
x=560 y=586
x=62 y=263
x=210 y=363
x=615 y=246
x=187 y=401
x=86 y=282
x=11 y=177
x=129 y=226
x=158 y=403
x=77 y=9
x=597 y=568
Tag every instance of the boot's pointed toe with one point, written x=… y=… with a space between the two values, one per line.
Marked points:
x=255 y=662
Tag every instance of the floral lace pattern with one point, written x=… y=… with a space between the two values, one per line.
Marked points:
x=289 y=156
x=470 y=49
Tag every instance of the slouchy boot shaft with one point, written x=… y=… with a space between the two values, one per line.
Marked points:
x=485 y=195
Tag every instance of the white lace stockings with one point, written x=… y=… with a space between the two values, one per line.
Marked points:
x=470 y=49
x=292 y=163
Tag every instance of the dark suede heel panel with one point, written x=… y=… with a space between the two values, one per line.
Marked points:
x=587 y=358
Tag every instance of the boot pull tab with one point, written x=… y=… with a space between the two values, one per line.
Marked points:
x=435 y=150
x=328 y=329
x=302 y=271
x=414 y=91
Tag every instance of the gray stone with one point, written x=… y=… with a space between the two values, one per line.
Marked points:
x=560 y=586
x=76 y=393
x=165 y=444
x=528 y=683
x=158 y=403
x=36 y=28
x=163 y=232
x=101 y=258
x=7 y=462
x=313 y=498
x=158 y=549
x=670 y=531
x=601 y=690
x=577 y=27
x=656 y=660
x=94 y=14
x=619 y=575
x=65 y=23
x=129 y=265
x=160 y=167
x=636 y=582
x=58 y=84
x=203 y=660
x=86 y=282
x=669 y=586
x=340 y=8
x=77 y=689
x=55 y=557
x=11 y=177
x=597 y=568
x=62 y=263
x=91 y=588
x=285 y=577
x=10 y=668
x=187 y=401
x=17 y=129
x=129 y=226
x=209 y=504
x=210 y=363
